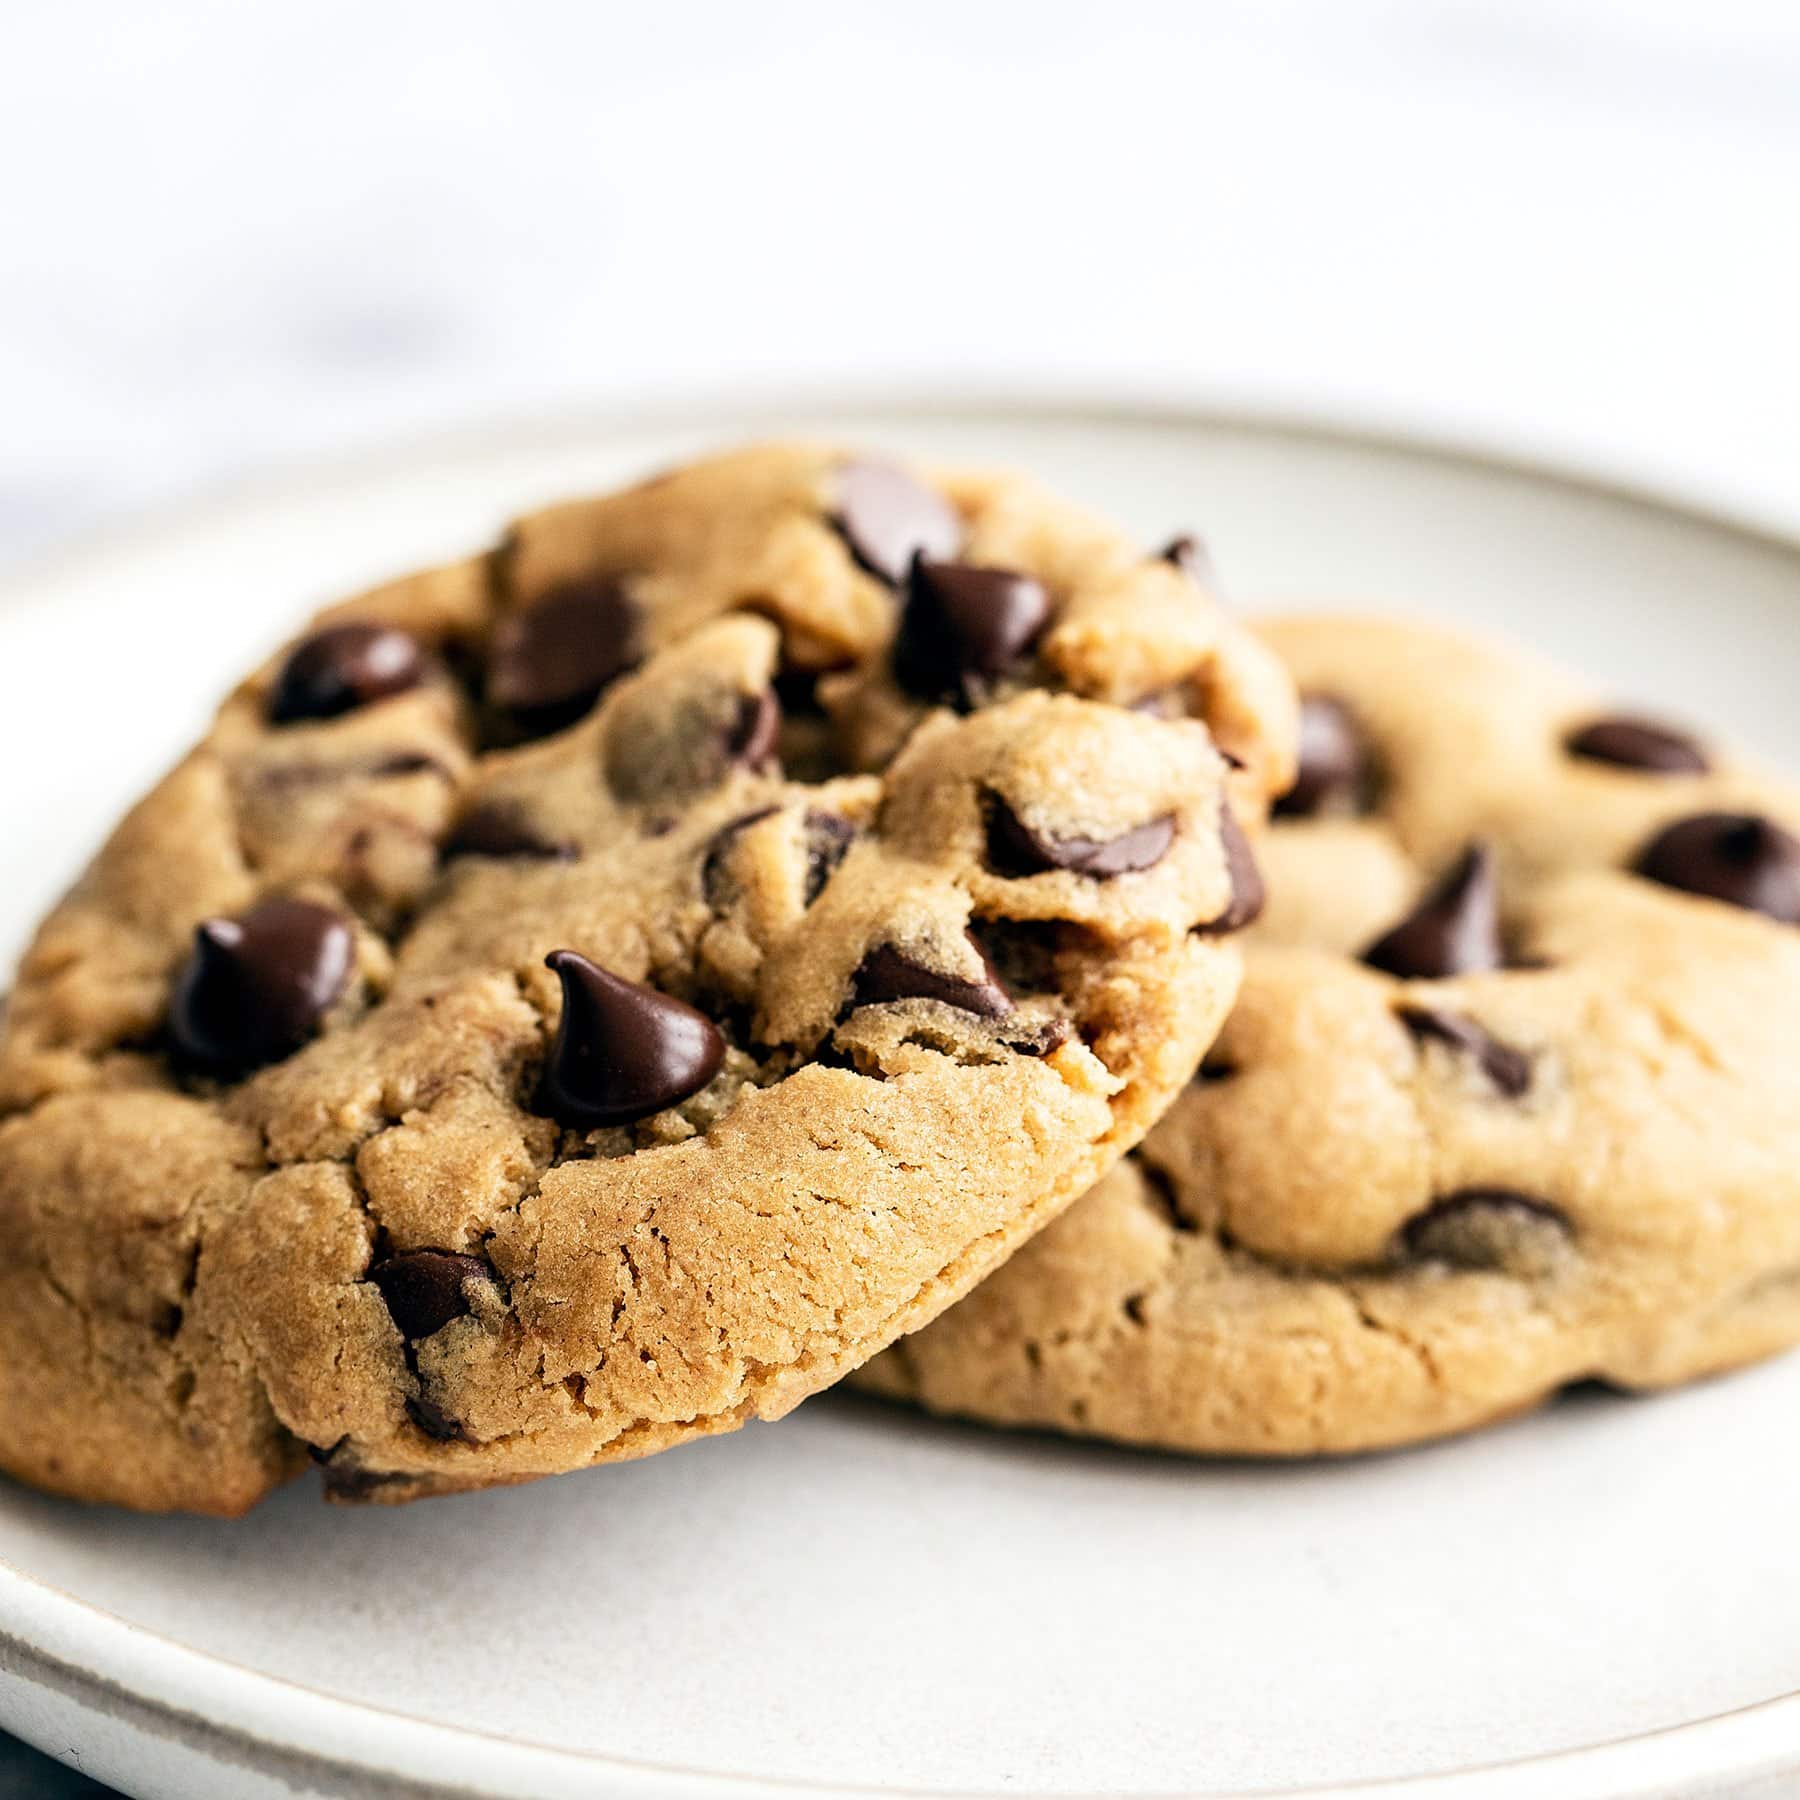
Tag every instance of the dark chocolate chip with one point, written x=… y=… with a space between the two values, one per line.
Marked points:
x=755 y=732
x=1637 y=744
x=426 y=1289
x=1336 y=773
x=888 y=973
x=494 y=829
x=343 y=667
x=1016 y=850
x=887 y=518
x=828 y=838
x=550 y=660
x=713 y=882
x=1485 y=1228
x=1454 y=930
x=622 y=1051
x=1508 y=1069
x=797 y=693
x=434 y=1421
x=964 y=627
x=255 y=987
x=1740 y=858
x=1188 y=554
x=1247 y=891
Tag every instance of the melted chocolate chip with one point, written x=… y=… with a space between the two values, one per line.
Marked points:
x=964 y=627
x=425 y=1289
x=754 y=733
x=1740 y=858
x=434 y=1421
x=887 y=518
x=1508 y=1069
x=828 y=837
x=1248 y=894
x=713 y=880
x=1487 y=1228
x=1637 y=744
x=1454 y=930
x=797 y=693
x=1336 y=774
x=888 y=973
x=255 y=987
x=622 y=1051
x=549 y=661
x=497 y=830
x=343 y=667
x=662 y=754
x=1016 y=850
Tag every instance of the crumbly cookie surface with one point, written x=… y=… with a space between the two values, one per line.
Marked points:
x=586 y=996
x=1511 y=1096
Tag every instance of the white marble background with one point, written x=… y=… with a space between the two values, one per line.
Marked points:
x=239 y=235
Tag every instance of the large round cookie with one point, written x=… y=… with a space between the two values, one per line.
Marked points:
x=1511 y=1096
x=586 y=996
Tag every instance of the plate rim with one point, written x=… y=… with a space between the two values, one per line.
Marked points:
x=63 y=1646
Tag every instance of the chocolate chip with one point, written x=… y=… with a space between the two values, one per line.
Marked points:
x=493 y=829
x=797 y=693
x=964 y=627
x=1188 y=554
x=426 y=1289
x=1454 y=930
x=255 y=987
x=1637 y=744
x=1740 y=858
x=549 y=661
x=1247 y=891
x=1508 y=1069
x=1488 y=1228
x=343 y=667
x=622 y=1051
x=828 y=838
x=434 y=1421
x=712 y=865
x=889 y=973
x=1016 y=850
x=663 y=753
x=1336 y=770
x=887 y=518
x=755 y=732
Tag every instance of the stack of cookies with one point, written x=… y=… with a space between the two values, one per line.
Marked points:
x=803 y=916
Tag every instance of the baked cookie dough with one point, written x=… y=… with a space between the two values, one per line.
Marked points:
x=1511 y=1097
x=586 y=996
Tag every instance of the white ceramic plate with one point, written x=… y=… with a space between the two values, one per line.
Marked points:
x=1600 y=1600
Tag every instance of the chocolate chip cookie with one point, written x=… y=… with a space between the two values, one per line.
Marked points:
x=1511 y=1097
x=587 y=996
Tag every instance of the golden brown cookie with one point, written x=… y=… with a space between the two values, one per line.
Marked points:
x=585 y=997
x=1511 y=1097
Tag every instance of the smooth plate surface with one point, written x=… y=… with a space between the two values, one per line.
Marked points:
x=858 y=1596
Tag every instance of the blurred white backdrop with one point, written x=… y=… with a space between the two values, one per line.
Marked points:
x=238 y=235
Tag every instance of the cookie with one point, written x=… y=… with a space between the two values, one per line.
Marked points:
x=1511 y=1097
x=584 y=997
